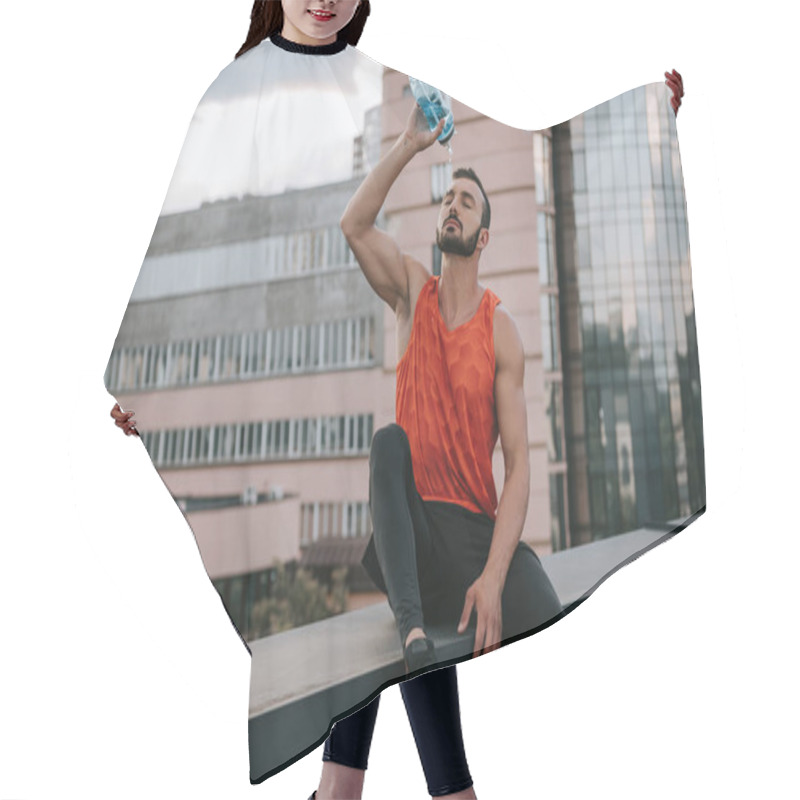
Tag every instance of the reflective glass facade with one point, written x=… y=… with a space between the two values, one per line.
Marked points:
x=634 y=434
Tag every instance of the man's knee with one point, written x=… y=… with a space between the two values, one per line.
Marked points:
x=529 y=598
x=388 y=443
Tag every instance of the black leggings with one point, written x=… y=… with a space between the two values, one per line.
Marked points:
x=432 y=706
x=424 y=555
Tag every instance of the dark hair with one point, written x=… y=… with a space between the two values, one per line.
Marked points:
x=468 y=172
x=266 y=18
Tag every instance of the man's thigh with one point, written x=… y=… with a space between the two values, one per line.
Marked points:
x=461 y=541
x=459 y=551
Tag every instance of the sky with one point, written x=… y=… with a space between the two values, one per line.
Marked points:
x=286 y=127
x=121 y=675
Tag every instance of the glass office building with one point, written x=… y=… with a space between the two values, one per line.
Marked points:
x=633 y=427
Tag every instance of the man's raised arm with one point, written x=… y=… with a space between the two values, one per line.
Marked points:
x=378 y=255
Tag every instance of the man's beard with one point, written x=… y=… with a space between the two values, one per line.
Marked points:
x=457 y=246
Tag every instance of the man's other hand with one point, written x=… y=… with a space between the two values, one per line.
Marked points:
x=485 y=596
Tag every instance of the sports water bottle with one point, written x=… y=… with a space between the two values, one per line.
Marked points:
x=435 y=105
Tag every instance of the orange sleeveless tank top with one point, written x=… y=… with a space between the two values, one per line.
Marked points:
x=445 y=403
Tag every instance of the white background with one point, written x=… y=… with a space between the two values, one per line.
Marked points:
x=120 y=674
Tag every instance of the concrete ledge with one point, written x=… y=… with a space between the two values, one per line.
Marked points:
x=293 y=701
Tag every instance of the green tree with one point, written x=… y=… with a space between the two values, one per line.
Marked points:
x=297 y=600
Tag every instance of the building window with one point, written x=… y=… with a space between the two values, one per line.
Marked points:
x=334 y=520
x=558 y=521
x=271 y=440
x=555 y=421
x=296 y=349
x=545 y=232
x=359 y=159
x=549 y=310
x=242 y=263
x=441 y=178
x=543 y=168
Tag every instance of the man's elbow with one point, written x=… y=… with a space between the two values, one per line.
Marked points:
x=519 y=471
x=350 y=226
x=352 y=219
x=346 y=224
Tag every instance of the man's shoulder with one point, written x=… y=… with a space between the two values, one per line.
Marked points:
x=503 y=319
x=507 y=340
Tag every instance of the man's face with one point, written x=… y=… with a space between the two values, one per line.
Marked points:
x=459 y=225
